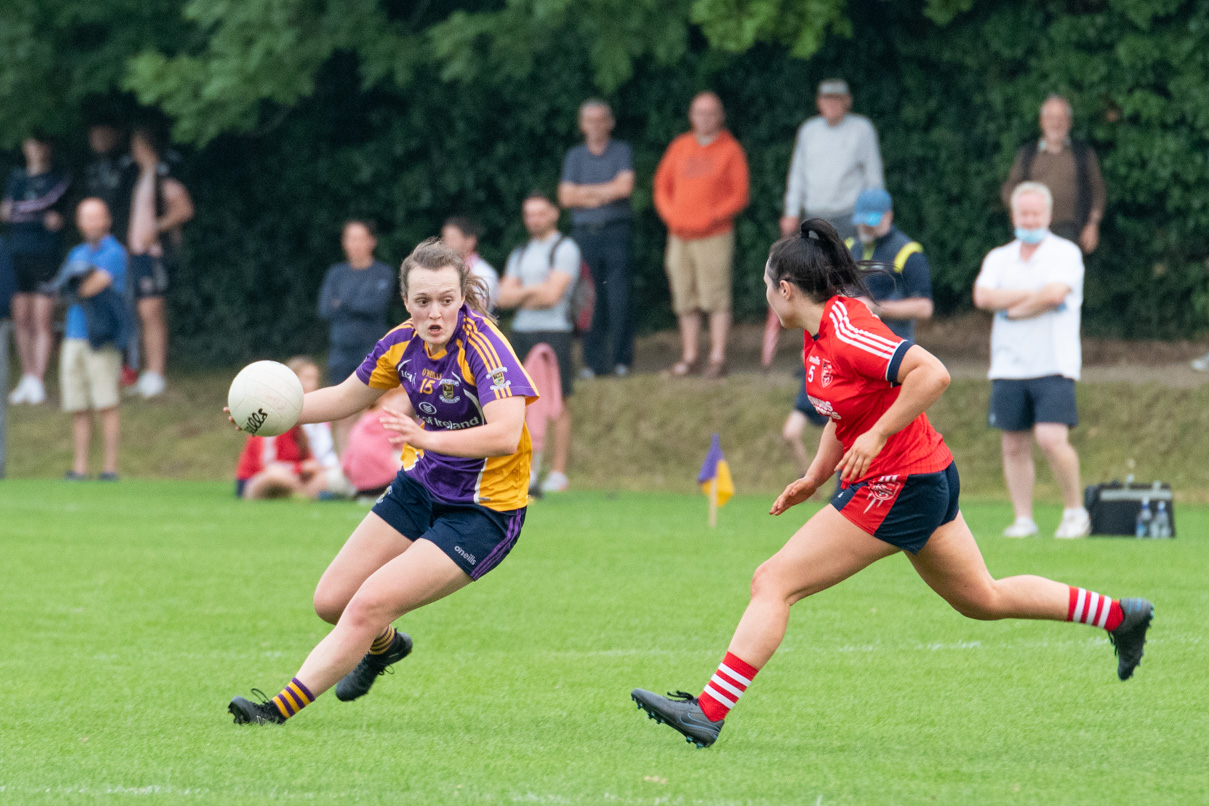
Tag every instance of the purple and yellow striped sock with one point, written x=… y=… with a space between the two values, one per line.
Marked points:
x=383 y=641
x=293 y=698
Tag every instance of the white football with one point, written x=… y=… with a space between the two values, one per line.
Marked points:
x=265 y=399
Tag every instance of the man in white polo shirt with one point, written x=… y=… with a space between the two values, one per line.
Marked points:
x=1034 y=285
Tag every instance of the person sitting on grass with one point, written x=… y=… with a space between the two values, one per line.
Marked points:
x=287 y=465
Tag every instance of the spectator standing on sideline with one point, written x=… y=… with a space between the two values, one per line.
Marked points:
x=902 y=290
x=835 y=157
x=1034 y=285
x=34 y=206
x=353 y=301
x=538 y=279
x=461 y=234
x=159 y=206
x=90 y=360
x=596 y=185
x=103 y=175
x=701 y=185
x=1069 y=169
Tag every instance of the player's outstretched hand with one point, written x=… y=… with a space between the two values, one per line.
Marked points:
x=861 y=455
x=794 y=494
x=408 y=430
x=231 y=419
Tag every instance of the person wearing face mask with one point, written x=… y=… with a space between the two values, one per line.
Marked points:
x=1034 y=286
x=901 y=293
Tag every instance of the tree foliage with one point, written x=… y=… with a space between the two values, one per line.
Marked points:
x=301 y=113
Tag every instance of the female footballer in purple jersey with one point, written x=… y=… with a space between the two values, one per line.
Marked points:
x=456 y=508
x=900 y=489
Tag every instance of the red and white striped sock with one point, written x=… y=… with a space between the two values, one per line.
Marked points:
x=726 y=687
x=1096 y=609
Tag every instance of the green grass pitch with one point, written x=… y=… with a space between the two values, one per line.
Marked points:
x=132 y=613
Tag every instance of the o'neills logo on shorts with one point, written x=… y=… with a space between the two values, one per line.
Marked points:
x=469 y=557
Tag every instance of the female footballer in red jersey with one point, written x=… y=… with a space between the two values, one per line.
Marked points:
x=899 y=488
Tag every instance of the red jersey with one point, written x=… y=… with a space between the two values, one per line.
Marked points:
x=851 y=366
x=260 y=452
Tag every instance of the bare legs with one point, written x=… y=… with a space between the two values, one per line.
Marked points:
x=81 y=431
x=32 y=315
x=690 y=336
x=791 y=432
x=155 y=334
x=829 y=549
x=1054 y=441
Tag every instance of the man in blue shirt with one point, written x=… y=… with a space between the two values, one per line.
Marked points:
x=90 y=360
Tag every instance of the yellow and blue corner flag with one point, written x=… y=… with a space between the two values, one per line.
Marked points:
x=715 y=467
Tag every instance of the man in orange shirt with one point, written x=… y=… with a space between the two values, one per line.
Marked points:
x=700 y=186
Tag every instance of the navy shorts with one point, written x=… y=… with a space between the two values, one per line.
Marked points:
x=474 y=537
x=903 y=511
x=149 y=276
x=1017 y=405
x=802 y=403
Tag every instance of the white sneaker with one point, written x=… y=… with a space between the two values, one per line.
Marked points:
x=1201 y=364
x=1021 y=527
x=621 y=370
x=555 y=483
x=151 y=385
x=1074 y=525
x=586 y=374
x=20 y=393
x=36 y=395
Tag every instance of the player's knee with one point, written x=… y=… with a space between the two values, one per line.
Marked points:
x=329 y=606
x=366 y=613
x=1051 y=443
x=766 y=581
x=981 y=605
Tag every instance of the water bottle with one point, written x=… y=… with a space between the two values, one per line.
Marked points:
x=1145 y=516
x=1161 y=525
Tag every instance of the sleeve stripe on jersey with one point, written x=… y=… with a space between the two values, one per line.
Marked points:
x=888 y=344
x=486 y=327
x=848 y=334
x=897 y=360
x=483 y=347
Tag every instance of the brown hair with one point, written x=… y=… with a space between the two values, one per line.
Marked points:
x=434 y=255
x=818 y=262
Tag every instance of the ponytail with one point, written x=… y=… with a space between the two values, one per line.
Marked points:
x=817 y=261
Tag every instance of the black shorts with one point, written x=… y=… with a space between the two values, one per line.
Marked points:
x=802 y=403
x=474 y=537
x=1017 y=405
x=149 y=276
x=32 y=270
x=559 y=341
x=903 y=511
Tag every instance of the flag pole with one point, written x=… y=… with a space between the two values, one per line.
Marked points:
x=713 y=502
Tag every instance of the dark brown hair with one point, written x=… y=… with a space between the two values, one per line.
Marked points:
x=817 y=261
x=433 y=255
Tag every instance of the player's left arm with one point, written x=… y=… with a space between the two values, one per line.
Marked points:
x=923 y=379
x=1045 y=299
x=499 y=436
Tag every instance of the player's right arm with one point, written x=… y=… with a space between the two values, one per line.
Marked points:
x=337 y=402
x=821 y=469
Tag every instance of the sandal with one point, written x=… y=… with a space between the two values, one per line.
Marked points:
x=681 y=369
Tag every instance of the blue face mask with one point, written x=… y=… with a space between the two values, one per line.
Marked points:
x=1031 y=236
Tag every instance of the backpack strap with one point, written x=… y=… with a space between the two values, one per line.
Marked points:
x=554 y=249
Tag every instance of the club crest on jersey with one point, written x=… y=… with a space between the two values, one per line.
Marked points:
x=449 y=391
x=827 y=376
x=499 y=380
x=427 y=407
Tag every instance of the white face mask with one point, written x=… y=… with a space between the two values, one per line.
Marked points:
x=865 y=235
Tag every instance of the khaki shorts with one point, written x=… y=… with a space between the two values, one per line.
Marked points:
x=88 y=378
x=699 y=272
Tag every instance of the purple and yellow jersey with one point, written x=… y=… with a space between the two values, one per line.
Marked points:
x=448 y=391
